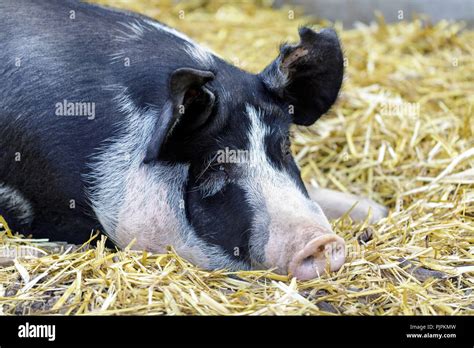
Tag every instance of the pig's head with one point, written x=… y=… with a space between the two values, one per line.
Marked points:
x=244 y=191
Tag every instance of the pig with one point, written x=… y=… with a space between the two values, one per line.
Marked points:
x=110 y=120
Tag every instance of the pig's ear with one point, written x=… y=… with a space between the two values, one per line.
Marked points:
x=307 y=76
x=190 y=103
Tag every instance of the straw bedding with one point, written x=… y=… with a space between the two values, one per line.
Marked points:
x=401 y=133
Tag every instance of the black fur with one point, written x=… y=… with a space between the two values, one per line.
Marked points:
x=312 y=71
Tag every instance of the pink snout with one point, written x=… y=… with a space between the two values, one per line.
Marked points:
x=326 y=252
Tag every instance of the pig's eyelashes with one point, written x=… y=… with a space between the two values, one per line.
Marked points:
x=212 y=179
x=213 y=183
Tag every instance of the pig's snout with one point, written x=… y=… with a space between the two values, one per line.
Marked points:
x=326 y=252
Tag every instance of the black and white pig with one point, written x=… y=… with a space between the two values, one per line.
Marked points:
x=112 y=120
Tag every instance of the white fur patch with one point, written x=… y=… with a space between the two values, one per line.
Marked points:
x=290 y=218
x=194 y=50
x=132 y=31
x=117 y=57
x=199 y=54
x=135 y=31
x=12 y=200
x=174 y=32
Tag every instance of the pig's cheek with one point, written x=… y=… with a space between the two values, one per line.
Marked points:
x=143 y=213
x=147 y=216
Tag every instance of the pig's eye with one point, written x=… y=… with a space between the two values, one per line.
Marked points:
x=213 y=181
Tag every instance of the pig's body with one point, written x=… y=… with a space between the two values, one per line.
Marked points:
x=135 y=165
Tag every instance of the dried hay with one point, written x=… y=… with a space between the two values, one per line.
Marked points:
x=401 y=133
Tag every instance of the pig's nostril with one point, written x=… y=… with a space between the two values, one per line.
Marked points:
x=308 y=261
x=320 y=253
